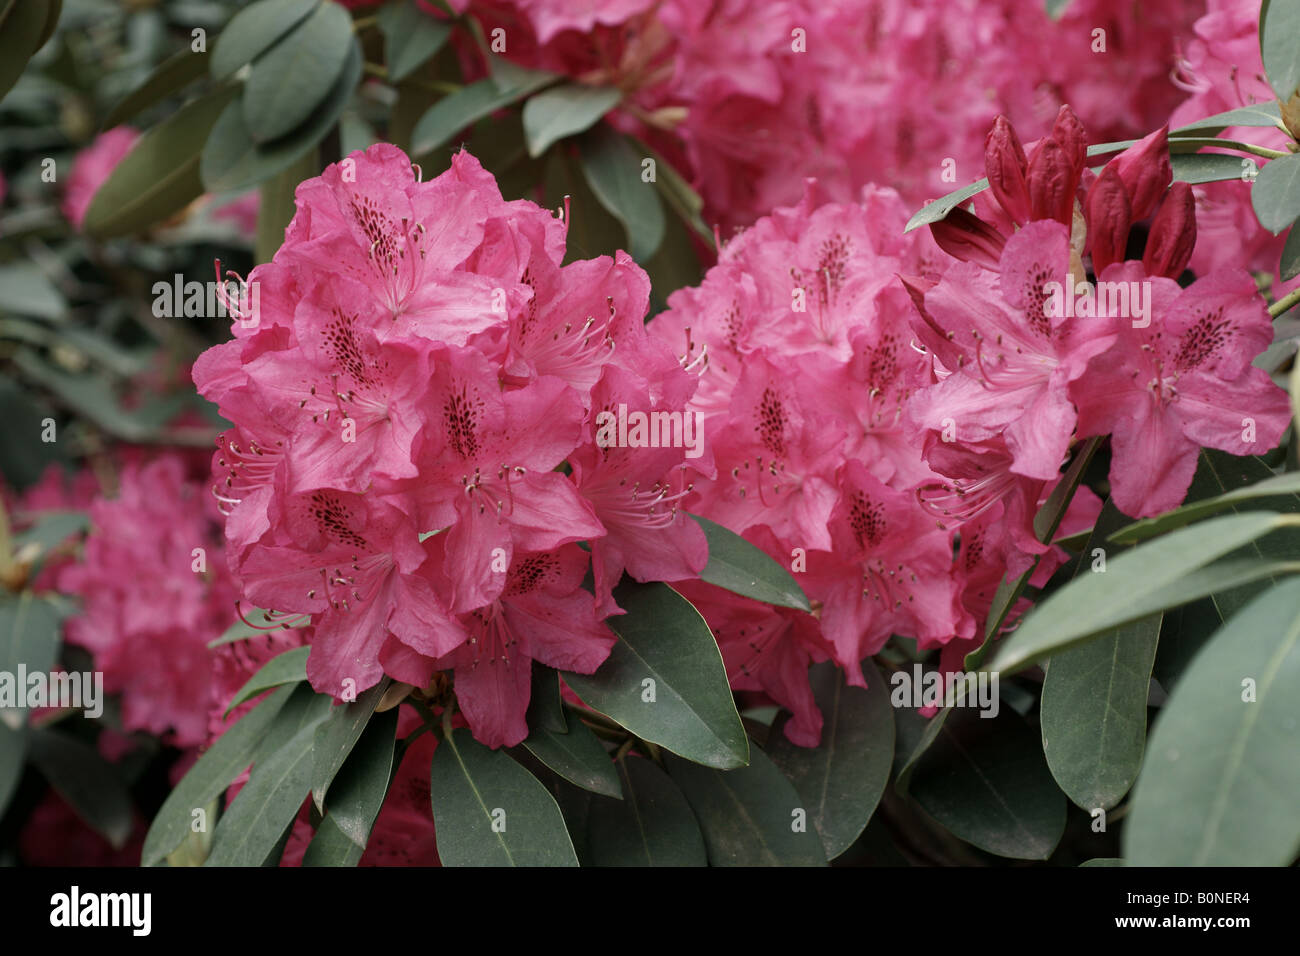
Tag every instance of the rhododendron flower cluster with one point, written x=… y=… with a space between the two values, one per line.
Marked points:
x=851 y=92
x=886 y=418
x=420 y=365
x=154 y=590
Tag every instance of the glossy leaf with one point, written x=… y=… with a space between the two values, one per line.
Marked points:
x=576 y=755
x=985 y=780
x=287 y=668
x=208 y=778
x=358 y=793
x=652 y=825
x=465 y=107
x=160 y=175
x=295 y=76
x=1275 y=194
x=173 y=74
x=411 y=38
x=566 y=110
x=1094 y=702
x=841 y=779
x=254 y=30
x=489 y=811
x=338 y=734
x=665 y=680
x=749 y=817
x=613 y=170
x=1221 y=783
x=24 y=26
x=742 y=568
x=1279 y=42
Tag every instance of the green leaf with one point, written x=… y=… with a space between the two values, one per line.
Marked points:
x=1155 y=576
x=1276 y=193
x=842 y=779
x=29 y=638
x=26 y=290
x=742 y=568
x=304 y=708
x=577 y=756
x=1056 y=8
x=338 y=735
x=490 y=811
x=1094 y=702
x=24 y=26
x=254 y=30
x=1285 y=484
x=665 y=681
x=232 y=161
x=937 y=210
x=985 y=780
x=464 y=108
x=684 y=200
x=1279 y=43
x=250 y=831
x=295 y=76
x=331 y=847
x=209 y=777
x=411 y=38
x=651 y=826
x=287 y=668
x=563 y=111
x=86 y=781
x=160 y=175
x=1046 y=522
x=53 y=528
x=613 y=170
x=259 y=624
x=1257 y=115
x=1221 y=784
x=1196 y=168
x=1104 y=861
x=358 y=794
x=277 y=203
x=173 y=74
x=1289 y=266
x=751 y=816
x=13 y=753
x=196 y=846
x=545 y=709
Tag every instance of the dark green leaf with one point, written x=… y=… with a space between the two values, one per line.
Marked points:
x=545 y=709
x=338 y=734
x=613 y=170
x=160 y=175
x=651 y=826
x=1196 y=168
x=841 y=779
x=210 y=776
x=411 y=37
x=86 y=781
x=1158 y=575
x=1221 y=783
x=464 y=108
x=749 y=817
x=490 y=811
x=1094 y=702
x=1279 y=43
x=985 y=780
x=232 y=161
x=358 y=794
x=254 y=30
x=26 y=290
x=296 y=75
x=331 y=847
x=576 y=755
x=251 y=829
x=1276 y=193
x=24 y=26
x=29 y=638
x=744 y=569
x=664 y=679
x=277 y=203
x=1289 y=265
x=564 y=111
x=173 y=74
x=1285 y=484
x=13 y=753
x=287 y=668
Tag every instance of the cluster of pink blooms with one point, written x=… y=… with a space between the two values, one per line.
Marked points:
x=874 y=407
x=850 y=92
x=419 y=366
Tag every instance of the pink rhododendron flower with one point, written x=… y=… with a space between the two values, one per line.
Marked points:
x=419 y=365
x=91 y=167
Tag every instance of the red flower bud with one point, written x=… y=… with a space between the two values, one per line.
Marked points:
x=1069 y=132
x=1005 y=164
x=969 y=238
x=1173 y=234
x=1052 y=183
x=1109 y=218
x=1145 y=169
